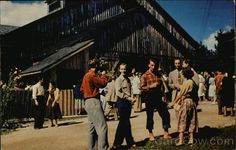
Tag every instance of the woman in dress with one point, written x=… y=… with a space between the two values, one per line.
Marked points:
x=53 y=103
x=187 y=99
x=212 y=89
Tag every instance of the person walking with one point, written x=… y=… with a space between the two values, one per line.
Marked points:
x=38 y=96
x=152 y=85
x=53 y=103
x=124 y=105
x=96 y=119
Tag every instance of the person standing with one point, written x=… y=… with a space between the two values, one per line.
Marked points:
x=124 y=105
x=212 y=89
x=228 y=89
x=38 y=96
x=111 y=98
x=152 y=85
x=202 y=88
x=218 y=82
x=186 y=64
x=175 y=79
x=187 y=99
x=136 y=93
x=79 y=100
x=53 y=103
x=96 y=119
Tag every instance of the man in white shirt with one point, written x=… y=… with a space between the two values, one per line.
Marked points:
x=38 y=96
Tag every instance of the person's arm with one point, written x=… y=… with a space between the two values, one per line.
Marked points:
x=34 y=95
x=56 y=97
x=183 y=91
x=99 y=82
x=143 y=84
x=49 y=97
x=170 y=82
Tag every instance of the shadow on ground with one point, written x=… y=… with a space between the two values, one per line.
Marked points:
x=206 y=138
x=69 y=123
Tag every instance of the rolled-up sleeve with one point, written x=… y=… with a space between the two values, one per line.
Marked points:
x=34 y=92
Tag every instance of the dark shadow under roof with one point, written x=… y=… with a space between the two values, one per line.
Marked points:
x=55 y=59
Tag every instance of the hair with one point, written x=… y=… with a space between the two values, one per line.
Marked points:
x=93 y=64
x=122 y=64
x=53 y=84
x=177 y=59
x=187 y=61
x=188 y=73
x=153 y=60
x=39 y=78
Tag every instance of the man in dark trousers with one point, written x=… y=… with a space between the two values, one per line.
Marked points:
x=96 y=119
x=38 y=96
x=124 y=105
x=152 y=85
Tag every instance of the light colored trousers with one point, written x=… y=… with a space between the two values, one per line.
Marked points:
x=97 y=125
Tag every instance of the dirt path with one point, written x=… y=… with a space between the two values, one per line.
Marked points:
x=72 y=134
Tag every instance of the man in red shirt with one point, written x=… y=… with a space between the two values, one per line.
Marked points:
x=152 y=85
x=96 y=119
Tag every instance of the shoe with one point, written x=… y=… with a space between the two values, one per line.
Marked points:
x=115 y=147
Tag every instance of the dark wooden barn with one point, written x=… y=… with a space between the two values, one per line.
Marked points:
x=60 y=44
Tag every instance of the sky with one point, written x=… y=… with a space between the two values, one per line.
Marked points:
x=202 y=19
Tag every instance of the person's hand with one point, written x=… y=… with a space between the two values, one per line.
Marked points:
x=47 y=104
x=103 y=72
x=36 y=103
x=153 y=85
x=53 y=104
x=170 y=105
x=177 y=86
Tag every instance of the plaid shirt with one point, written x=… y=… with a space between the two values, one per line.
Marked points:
x=149 y=78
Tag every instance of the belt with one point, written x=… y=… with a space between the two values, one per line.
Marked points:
x=97 y=97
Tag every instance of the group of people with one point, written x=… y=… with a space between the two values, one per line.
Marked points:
x=41 y=102
x=183 y=82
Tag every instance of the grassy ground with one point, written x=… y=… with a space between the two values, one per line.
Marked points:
x=207 y=138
